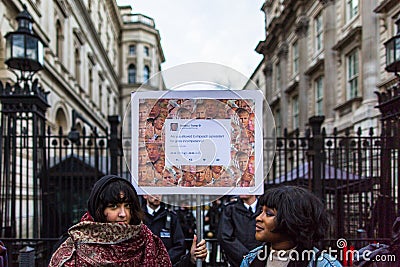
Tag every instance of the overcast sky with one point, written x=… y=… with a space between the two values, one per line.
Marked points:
x=218 y=31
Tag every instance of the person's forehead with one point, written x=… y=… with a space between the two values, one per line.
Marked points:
x=225 y=175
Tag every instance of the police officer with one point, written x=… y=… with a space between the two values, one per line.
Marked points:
x=237 y=228
x=165 y=224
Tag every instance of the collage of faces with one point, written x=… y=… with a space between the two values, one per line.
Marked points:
x=152 y=170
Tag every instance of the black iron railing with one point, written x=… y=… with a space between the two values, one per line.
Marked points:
x=45 y=177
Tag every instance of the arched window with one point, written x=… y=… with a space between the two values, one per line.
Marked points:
x=131 y=74
x=61 y=120
x=79 y=128
x=146 y=74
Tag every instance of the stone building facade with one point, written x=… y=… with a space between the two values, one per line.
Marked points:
x=326 y=57
x=96 y=53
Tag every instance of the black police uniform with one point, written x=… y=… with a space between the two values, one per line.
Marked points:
x=165 y=224
x=236 y=231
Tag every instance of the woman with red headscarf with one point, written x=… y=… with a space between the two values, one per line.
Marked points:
x=111 y=233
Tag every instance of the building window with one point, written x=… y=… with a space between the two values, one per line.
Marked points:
x=59 y=40
x=99 y=31
x=90 y=72
x=295 y=58
x=77 y=65
x=131 y=74
x=352 y=9
x=319 y=96
x=132 y=50
x=277 y=76
x=108 y=98
x=100 y=24
x=100 y=97
x=108 y=42
x=278 y=123
x=319 y=33
x=146 y=51
x=295 y=111
x=146 y=74
x=352 y=75
x=61 y=119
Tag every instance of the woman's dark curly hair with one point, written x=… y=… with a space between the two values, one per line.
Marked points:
x=107 y=191
x=300 y=214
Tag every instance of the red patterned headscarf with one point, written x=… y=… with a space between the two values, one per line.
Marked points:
x=110 y=244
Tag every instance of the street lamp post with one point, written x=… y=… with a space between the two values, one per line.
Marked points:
x=393 y=52
x=24 y=49
x=23 y=119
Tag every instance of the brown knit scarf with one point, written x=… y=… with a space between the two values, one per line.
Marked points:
x=110 y=244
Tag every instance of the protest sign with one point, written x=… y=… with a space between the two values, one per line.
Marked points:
x=207 y=142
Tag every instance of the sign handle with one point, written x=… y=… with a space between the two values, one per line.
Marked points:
x=199 y=225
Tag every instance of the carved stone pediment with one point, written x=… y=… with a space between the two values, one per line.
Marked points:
x=79 y=36
x=327 y=2
x=64 y=7
x=302 y=26
x=283 y=50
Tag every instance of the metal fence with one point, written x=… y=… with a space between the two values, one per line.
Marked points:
x=46 y=177
x=345 y=171
x=349 y=183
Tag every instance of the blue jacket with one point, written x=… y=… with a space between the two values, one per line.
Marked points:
x=323 y=260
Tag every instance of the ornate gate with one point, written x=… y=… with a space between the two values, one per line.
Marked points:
x=45 y=178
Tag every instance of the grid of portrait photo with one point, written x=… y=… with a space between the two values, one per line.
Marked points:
x=152 y=168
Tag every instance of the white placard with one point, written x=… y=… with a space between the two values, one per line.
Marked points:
x=190 y=142
x=197 y=142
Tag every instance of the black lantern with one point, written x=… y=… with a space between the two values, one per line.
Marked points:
x=393 y=51
x=24 y=49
